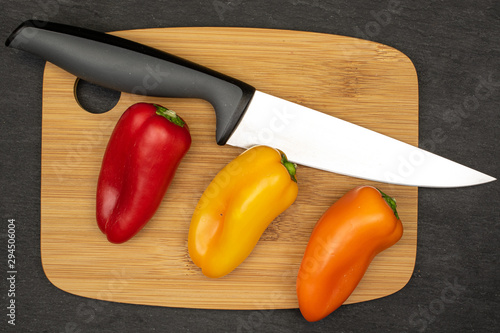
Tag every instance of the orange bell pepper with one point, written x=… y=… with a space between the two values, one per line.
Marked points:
x=344 y=241
x=237 y=207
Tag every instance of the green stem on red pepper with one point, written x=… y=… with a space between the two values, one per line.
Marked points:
x=169 y=115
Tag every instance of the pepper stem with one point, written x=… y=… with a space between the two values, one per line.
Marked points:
x=391 y=202
x=170 y=115
x=290 y=167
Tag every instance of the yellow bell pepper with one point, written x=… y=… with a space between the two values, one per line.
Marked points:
x=237 y=207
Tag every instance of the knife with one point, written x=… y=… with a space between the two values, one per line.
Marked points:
x=245 y=117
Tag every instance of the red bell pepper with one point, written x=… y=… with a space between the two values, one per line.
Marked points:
x=140 y=161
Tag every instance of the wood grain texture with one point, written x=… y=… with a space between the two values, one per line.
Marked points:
x=363 y=82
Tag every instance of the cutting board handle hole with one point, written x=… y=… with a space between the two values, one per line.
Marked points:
x=93 y=98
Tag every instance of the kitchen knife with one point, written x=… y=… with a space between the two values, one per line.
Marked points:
x=244 y=116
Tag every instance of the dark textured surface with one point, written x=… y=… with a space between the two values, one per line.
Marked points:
x=455 y=46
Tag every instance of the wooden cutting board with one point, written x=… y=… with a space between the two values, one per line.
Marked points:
x=363 y=82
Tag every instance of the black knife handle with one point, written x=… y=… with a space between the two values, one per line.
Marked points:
x=127 y=66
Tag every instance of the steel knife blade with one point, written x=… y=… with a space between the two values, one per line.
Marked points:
x=335 y=145
x=245 y=117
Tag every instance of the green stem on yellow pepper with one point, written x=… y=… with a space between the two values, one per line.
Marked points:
x=290 y=167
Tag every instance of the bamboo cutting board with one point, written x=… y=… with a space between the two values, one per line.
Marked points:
x=363 y=82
